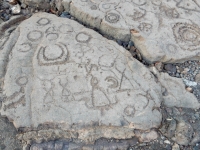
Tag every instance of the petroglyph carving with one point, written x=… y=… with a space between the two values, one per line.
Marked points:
x=172 y=13
x=52 y=36
x=43 y=21
x=136 y=20
x=138 y=13
x=51 y=30
x=48 y=87
x=106 y=6
x=191 y=5
x=52 y=55
x=94 y=7
x=113 y=81
x=171 y=48
x=22 y=81
x=72 y=77
x=34 y=35
x=25 y=47
x=112 y=17
x=187 y=36
x=129 y=111
x=12 y=105
x=83 y=37
x=100 y=98
x=145 y=27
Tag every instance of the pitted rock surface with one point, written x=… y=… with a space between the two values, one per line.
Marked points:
x=61 y=73
x=166 y=31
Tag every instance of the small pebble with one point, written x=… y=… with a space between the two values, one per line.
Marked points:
x=170 y=68
x=167 y=142
x=65 y=15
x=175 y=147
x=16 y=9
x=189 y=89
x=23 y=5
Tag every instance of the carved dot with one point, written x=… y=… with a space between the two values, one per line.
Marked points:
x=189 y=35
x=53 y=52
x=171 y=48
x=83 y=37
x=52 y=36
x=93 y=7
x=112 y=17
x=129 y=111
x=34 y=35
x=21 y=81
x=43 y=21
x=25 y=47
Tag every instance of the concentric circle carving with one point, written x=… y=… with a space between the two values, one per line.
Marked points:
x=112 y=17
x=187 y=36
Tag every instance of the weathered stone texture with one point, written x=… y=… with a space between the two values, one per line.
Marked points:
x=166 y=31
x=61 y=73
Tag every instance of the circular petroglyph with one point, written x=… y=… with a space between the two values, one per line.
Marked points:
x=83 y=37
x=34 y=35
x=145 y=27
x=53 y=52
x=21 y=81
x=129 y=111
x=172 y=13
x=43 y=21
x=25 y=47
x=171 y=48
x=93 y=7
x=112 y=17
x=52 y=36
x=65 y=28
x=187 y=36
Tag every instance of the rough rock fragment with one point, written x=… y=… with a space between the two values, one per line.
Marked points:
x=174 y=92
x=184 y=132
x=42 y=4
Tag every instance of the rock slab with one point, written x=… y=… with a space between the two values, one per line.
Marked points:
x=166 y=31
x=61 y=73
